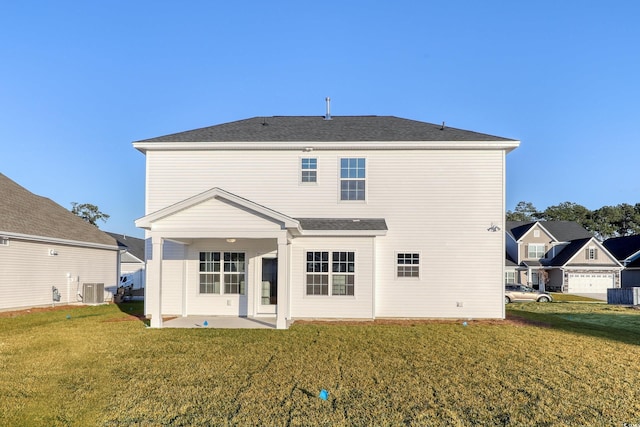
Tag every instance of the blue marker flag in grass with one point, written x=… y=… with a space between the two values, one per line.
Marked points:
x=206 y=323
x=324 y=394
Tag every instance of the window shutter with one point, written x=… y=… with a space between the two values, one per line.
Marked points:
x=595 y=253
x=526 y=251
x=586 y=253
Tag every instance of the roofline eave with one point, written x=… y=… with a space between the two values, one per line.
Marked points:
x=507 y=145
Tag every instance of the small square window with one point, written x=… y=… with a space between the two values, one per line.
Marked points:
x=4 y=241
x=408 y=265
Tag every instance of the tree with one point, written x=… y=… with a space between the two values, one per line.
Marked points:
x=569 y=211
x=524 y=211
x=89 y=213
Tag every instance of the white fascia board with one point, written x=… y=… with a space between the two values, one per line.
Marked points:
x=147 y=221
x=54 y=240
x=310 y=146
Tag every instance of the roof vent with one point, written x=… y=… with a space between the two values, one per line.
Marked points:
x=328 y=115
x=442 y=127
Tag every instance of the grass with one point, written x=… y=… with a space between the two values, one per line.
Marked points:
x=568 y=364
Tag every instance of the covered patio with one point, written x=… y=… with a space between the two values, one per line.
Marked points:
x=221 y=322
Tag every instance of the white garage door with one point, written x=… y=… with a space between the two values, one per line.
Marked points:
x=588 y=283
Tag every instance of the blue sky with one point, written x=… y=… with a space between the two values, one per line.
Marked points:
x=79 y=81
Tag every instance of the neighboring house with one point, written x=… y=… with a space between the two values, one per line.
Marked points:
x=559 y=256
x=325 y=217
x=132 y=265
x=627 y=251
x=47 y=253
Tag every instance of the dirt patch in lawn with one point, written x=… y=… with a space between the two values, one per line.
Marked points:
x=511 y=320
x=16 y=313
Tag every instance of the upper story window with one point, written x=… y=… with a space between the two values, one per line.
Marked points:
x=536 y=233
x=352 y=178
x=535 y=250
x=592 y=253
x=4 y=241
x=309 y=170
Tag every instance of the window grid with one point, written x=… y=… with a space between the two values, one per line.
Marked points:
x=4 y=241
x=535 y=251
x=227 y=267
x=341 y=281
x=352 y=178
x=309 y=170
x=209 y=272
x=344 y=263
x=318 y=273
x=408 y=265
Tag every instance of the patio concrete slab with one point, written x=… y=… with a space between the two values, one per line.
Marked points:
x=221 y=322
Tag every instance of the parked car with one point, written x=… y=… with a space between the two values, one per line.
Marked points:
x=515 y=292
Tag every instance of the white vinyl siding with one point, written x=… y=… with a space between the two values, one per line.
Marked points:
x=428 y=213
x=29 y=272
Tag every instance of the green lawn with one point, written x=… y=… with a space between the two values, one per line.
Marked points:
x=573 y=364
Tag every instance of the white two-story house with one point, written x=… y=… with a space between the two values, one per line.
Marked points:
x=325 y=217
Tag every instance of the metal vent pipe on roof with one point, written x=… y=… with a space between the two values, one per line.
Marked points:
x=328 y=115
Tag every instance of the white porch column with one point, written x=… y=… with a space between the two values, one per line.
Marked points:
x=155 y=308
x=282 y=310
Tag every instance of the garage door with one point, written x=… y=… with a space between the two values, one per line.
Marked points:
x=589 y=283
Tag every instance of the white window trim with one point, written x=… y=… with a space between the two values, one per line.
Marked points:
x=538 y=245
x=222 y=274
x=365 y=179
x=4 y=241
x=304 y=183
x=506 y=279
x=330 y=274
x=396 y=265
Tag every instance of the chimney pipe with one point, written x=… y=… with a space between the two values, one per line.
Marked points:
x=328 y=115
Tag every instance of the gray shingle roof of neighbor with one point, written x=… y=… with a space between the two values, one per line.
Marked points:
x=563 y=231
x=568 y=252
x=316 y=129
x=623 y=247
x=22 y=212
x=133 y=245
x=342 y=224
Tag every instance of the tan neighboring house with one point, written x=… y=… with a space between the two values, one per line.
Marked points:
x=558 y=256
x=48 y=255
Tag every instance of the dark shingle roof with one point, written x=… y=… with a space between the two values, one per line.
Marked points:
x=133 y=245
x=563 y=231
x=568 y=252
x=342 y=224
x=316 y=128
x=23 y=212
x=623 y=247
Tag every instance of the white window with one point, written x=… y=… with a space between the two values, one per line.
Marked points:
x=509 y=277
x=222 y=271
x=309 y=170
x=339 y=281
x=408 y=265
x=352 y=178
x=592 y=253
x=536 y=233
x=4 y=241
x=535 y=251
